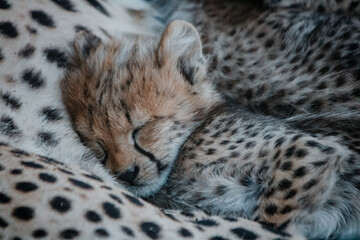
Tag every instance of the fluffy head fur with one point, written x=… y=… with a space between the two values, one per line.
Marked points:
x=135 y=100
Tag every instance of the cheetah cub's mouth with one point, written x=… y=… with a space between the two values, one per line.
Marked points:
x=136 y=99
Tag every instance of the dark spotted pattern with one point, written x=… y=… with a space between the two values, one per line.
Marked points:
x=27 y=51
x=92 y=216
x=65 y=4
x=111 y=210
x=152 y=230
x=23 y=213
x=46 y=177
x=8 y=127
x=96 y=4
x=25 y=187
x=8 y=30
x=47 y=139
x=39 y=233
x=42 y=18
x=4 y=4
x=69 y=233
x=60 y=204
x=51 y=114
x=56 y=56
x=10 y=101
x=33 y=78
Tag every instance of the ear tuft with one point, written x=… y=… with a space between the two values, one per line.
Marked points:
x=85 y=42
x=181 y=42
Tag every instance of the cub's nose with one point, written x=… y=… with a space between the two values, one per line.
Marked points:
x=129 y=175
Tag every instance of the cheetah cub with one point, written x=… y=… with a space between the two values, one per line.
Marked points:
x=148 y=111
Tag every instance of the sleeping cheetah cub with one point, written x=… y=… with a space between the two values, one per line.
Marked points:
x=147 y=109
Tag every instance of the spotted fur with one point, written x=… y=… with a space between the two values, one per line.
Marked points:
x=249 y=161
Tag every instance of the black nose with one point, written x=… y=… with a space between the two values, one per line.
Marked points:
x=129 y=175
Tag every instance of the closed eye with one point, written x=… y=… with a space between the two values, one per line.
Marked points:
x=151 y=156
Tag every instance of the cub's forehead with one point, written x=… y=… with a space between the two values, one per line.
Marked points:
x=133 y=49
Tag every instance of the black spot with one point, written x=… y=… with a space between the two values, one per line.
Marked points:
x=42 y=18
x=27 y=51
x=65 y=4
x=101 y=232
x=269 y=192
x=98 y=6
x=35 y=80
x=301 y=153
x=80 y=184
x=16 y=171
x=269 y=43
x=1 y=54
x=116 y=198
x=151 y=229
x=250 y=144
x=300 y=172
x=4 y=4
x=69 y=233
x=60 y=204
x=290 y=151
x=271 y=209
x=207 y=222
x=290 y=194
x=322 y=148
x=286 y=209
x=11 y=101
x=3 y=223
x=185 y=233
x=39 y=233
x=111 y=210
x=284 y=184
x=279 y=141
x=134 y=200
x=47 y=139
x=47 y=177
x=309 y=184
x=51 y=114
x=23 y=213
x=8 y=127
x=92 y=216
x=211 y=151
x=8 y=29
x=26 y=186
x=286 y=166
x=277 y=154
x=4 y=198
x=220 y=190
x=54 y=55
x=127 y=231
x=244 y=234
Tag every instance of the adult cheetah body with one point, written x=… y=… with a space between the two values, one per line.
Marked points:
x=40 y=31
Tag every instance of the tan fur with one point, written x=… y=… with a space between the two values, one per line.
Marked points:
x=122 y=87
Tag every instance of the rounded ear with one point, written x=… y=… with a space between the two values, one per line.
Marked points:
x=180 y=42
x=84 y=43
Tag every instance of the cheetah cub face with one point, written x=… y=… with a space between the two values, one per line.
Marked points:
x=136 y=99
